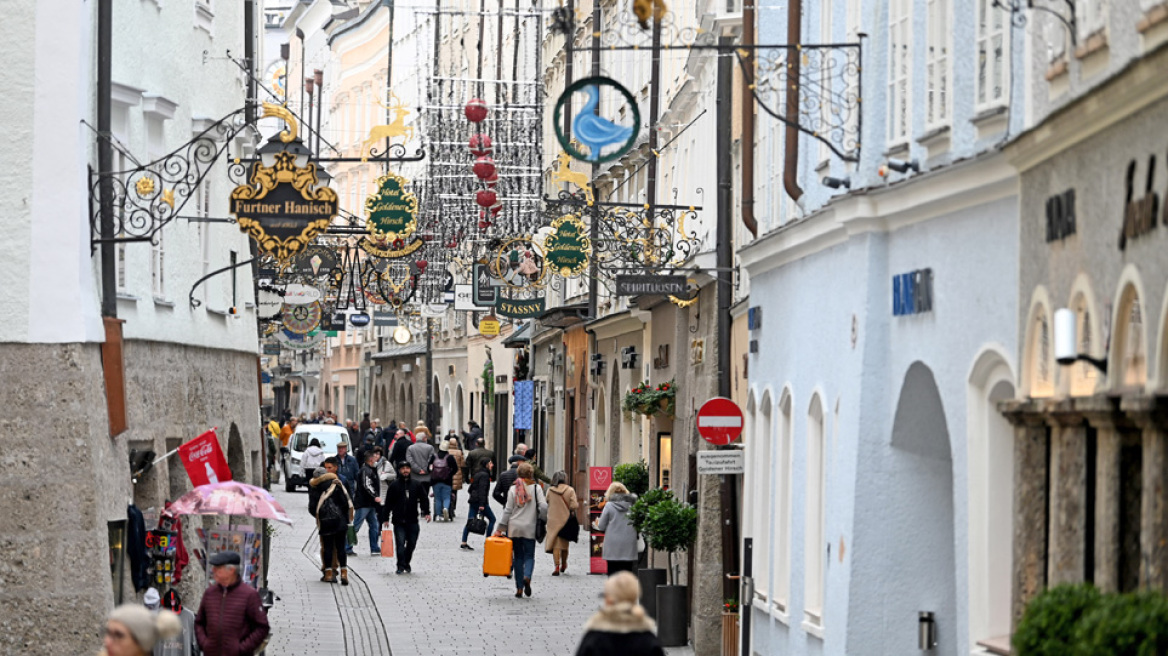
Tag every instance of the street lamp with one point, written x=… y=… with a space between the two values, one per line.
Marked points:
x=268 y=151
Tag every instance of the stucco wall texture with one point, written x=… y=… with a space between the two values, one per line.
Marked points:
x=871 y=602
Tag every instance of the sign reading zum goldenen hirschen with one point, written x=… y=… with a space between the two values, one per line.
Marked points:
x=651 y=285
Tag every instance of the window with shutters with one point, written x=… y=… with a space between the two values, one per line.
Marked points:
x=899 y=68
x=992 y=55
x=937 y=63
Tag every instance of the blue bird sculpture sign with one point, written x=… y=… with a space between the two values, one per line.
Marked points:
x=598 y=138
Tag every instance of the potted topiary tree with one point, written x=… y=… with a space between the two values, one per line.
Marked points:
x=672 y=526
x=634 y=475
x=650 y=577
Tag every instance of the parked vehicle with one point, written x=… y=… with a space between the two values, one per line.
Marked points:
x=327 y=434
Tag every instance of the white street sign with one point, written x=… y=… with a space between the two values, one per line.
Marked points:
x=722 y=462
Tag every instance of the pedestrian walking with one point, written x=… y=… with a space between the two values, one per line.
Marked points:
x=347 y=468
x=477 y=456
x=422 y=432
x=620 y=540
x=621 y=625
x=457 y=479
x=506 y=479
x=479 y=502
x=420 y=455
x=368 y=499
x=134 y=630
x=400 y=446
x=530 y=454
x=316 y=487
x=365 y=423
x=230 y=621
x=473 y=434
x=333 y=513
x=404 y=502
x=442 y=469
x=313 y=457
x=562 y=504
x=526 y=506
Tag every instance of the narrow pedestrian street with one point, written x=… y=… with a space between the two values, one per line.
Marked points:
x=445 y=607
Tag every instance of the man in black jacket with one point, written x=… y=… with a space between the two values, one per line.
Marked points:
x=368 y=499
x=506 y=479
x=397 y=449
x=404 y=501
x=480 y=485
x=476 y=455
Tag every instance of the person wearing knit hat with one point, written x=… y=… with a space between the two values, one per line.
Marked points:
x=132 y=630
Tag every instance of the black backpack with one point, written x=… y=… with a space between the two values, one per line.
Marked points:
x=329 y=514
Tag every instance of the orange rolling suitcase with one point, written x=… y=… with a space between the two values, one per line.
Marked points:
x=497 y=557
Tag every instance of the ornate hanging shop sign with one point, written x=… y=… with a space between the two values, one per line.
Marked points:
x=567 y=249
x=302 y=319
x=392 y=212
x=282 y=207
x=520 y=308
x=603 y=138
x=519 y=263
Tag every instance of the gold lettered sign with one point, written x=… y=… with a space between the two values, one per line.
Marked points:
x=282 y=208
x=489 y=326
x=567 y=249
x=392 y=212
x=521 y=308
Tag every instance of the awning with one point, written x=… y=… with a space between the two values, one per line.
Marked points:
x=519 y=338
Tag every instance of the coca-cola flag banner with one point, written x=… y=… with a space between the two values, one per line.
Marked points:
x=204 y=460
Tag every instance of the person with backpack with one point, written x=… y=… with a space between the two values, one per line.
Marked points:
x=333 y=512
x=442 y=469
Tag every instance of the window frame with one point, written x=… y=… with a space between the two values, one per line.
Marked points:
x=997 y=24
x=899 y=105
x=939 y=67
x=814 y=554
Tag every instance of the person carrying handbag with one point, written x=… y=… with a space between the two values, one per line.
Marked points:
x=479 y=503
x=522 y=518
x=562 y=525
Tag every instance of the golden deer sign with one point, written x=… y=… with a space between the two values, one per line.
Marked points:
x=565 y=174
x=396 y=128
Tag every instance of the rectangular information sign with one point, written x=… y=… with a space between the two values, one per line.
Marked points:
x=651 y=285
x=485 y=292
x=722 y=462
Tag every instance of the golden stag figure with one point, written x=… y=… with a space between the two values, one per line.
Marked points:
x=396 y=128
x=565 y=174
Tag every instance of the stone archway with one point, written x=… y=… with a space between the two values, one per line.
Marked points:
x=909 y=529
x=615 y=440
x=236 y=457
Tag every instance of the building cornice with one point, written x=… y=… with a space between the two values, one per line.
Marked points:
x=1138 y=85
x=966 y=184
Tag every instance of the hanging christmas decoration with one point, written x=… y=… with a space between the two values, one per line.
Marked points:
x=480 y=145
x=476 y=110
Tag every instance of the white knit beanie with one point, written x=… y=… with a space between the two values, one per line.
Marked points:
x=146 y=626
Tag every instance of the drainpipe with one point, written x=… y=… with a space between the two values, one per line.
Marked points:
x=791 y=156
x=748 y=219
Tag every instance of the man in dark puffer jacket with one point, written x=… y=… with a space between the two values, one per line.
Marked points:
x=231 y=621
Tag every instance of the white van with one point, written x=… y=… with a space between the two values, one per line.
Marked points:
x=329 y=436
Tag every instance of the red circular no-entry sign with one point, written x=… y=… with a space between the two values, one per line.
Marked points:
x=720 y=421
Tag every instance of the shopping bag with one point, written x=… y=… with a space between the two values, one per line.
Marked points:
x=386 y=541
x=351 y=536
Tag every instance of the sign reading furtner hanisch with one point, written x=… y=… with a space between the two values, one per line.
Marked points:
x=281 y=207
x=651 y=285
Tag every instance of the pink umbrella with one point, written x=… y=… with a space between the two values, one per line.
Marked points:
x=230 y=498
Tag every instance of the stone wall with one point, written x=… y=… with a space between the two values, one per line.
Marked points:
x=54 y=581
x=66 y=478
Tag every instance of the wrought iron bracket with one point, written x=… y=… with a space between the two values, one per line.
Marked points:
x=1017 y=9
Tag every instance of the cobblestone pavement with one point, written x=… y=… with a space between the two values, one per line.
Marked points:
x=445 y=606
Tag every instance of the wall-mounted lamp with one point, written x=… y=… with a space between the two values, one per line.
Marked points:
x=900 y=166
x=836 y=183
x=1065 y=340
x=597 y=368
x=926 y=631
x=629 y=357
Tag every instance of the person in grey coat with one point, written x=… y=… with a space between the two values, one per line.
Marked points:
x=420 y=455
x=526 y=506
x=620 y=540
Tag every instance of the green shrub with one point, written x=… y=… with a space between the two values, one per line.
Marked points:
x=671 y=526
x=634 y=475
x=639 y=512
x=1133 y=624
x=1047 y=627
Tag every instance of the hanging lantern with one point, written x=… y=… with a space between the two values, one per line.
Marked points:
x=486 y=197
x=480 y=144
x=476 y=110
x=496 y=208
x=484 y=167
x=421 y=265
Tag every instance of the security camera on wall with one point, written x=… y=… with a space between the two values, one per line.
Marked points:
x=1065 y=351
